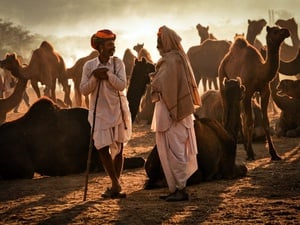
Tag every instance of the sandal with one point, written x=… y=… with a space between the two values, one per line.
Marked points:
x=110 y=194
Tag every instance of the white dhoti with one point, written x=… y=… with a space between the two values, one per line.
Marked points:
x=176 y=146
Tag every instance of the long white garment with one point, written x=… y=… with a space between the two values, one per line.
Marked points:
x=109 y=125
x=176 y=145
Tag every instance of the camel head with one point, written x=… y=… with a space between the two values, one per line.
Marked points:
x=11 y=63
x=289 y=24
x=202 y=31
x=233 y=89
x=288 y=88
x=138 y=47
x=275 y=36
x=255 y=26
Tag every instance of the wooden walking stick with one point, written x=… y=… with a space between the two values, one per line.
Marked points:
x=91 y=145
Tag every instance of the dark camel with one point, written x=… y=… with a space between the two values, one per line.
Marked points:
x=245 y=61
x=49 y=141
x=288 y=124
x=289 y=88
x=137 y=85
x=216 y=157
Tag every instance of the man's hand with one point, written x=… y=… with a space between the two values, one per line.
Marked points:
x=100 y=73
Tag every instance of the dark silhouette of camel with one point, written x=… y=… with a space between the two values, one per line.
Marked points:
x=245 y=61
x=288 y=124
x=216 y=156
x=49 y=141
x=137 y=85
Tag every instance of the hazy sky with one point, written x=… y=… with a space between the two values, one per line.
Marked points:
x=137 y=21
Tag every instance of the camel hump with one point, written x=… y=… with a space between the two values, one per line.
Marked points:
x=240 y=42
x=47 y=46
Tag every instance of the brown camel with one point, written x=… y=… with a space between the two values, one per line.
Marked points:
x=142 y=53
x=212 y=107
x=15 y=98
x=45 y=66
x=288 y=52
x=245 y=61
x=291 y=67
x=205 y=60
x=203 y=33
x=75 y=73
x=289 y=88
x=288 y=124
x=129 y=61
x=254 y=28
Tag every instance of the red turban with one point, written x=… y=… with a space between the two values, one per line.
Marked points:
x=100 y=36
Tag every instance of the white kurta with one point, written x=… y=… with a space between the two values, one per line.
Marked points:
x=176 y=144
x=109 y=125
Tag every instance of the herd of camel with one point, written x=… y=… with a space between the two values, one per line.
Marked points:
x=239 y=70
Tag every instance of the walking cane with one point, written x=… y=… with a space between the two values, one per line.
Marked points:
x=91 y=145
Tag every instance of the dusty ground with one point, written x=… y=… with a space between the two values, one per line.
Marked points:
x=270 y=194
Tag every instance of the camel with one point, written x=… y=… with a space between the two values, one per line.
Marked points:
x=289 y=88
x=75 y=73
x=288 y=124
x=137 y=85
x=146 y=107
x=142 y=53
x=216 y=157
x=245 y=61
x=128 y=59
x=254 y=28
x=49 y=141
x=290 y=67
x=212 y=107
x=203 y=33
x=288 y=52
x=8 y=104
x=45 y=66
x=205 y=60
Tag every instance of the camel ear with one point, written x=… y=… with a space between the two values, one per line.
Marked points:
x=143 y=60
x=268 y=28
x=207 y=27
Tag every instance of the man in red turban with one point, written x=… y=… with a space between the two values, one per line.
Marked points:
x=104 y=78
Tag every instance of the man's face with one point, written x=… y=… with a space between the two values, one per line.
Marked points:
x=108 y=48
x=159 y=46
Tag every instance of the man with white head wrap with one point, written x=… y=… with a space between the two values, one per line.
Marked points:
x=175 y=93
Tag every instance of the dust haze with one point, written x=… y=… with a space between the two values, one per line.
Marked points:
x=71 y=23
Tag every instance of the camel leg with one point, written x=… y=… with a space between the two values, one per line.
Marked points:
x=52 y=90
x=35 y=87
x=215 y=82
x=78 y=99
x=264 y=108
x=204 y=81
x=249 y=127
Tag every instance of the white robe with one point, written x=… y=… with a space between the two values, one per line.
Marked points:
x=176 y=145
x=109 y=127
